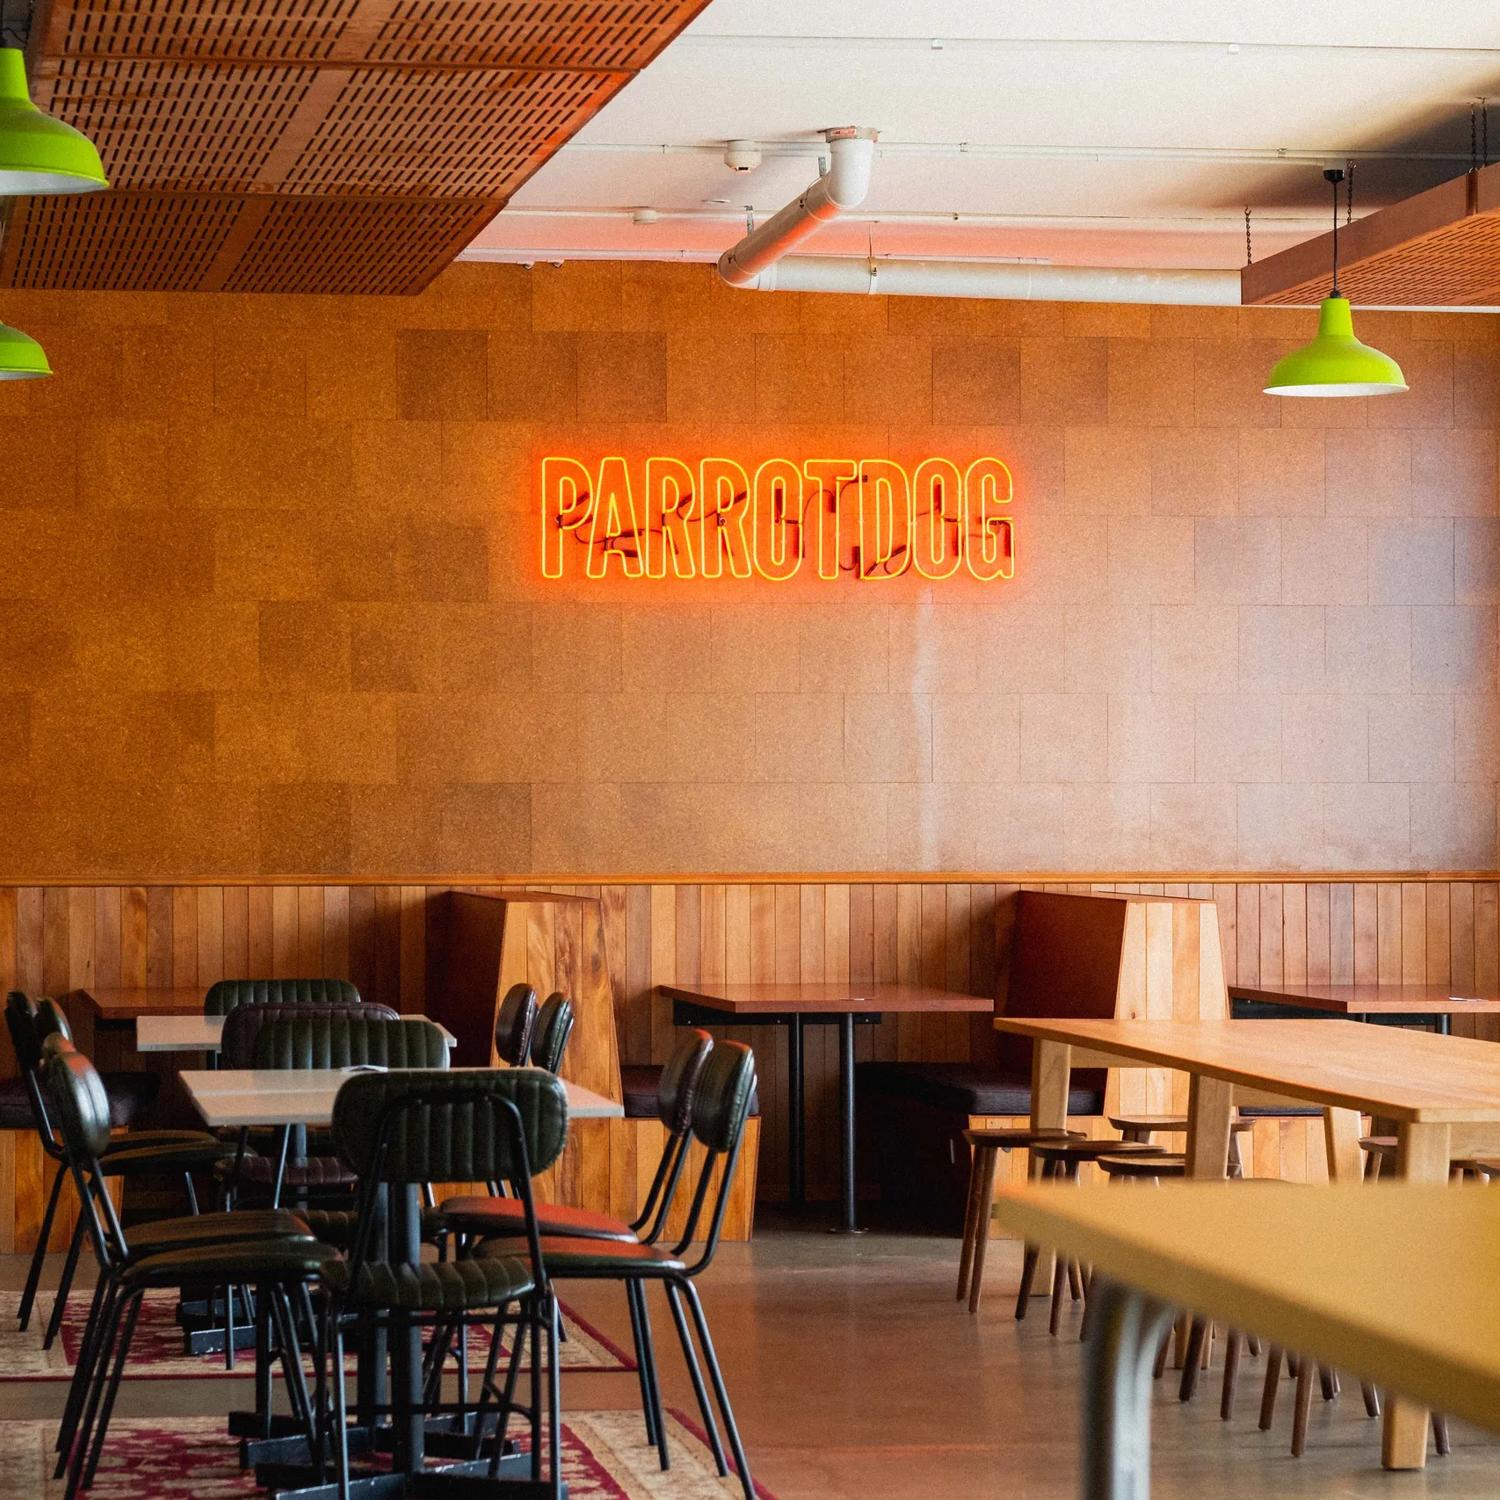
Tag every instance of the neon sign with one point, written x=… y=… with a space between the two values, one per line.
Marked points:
x=866 y=518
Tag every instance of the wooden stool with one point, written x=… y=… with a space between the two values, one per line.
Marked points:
x=1143 y=1168
x=1142 y=1128
x=1380 y=1160
x=1061 y=1159
x=984 y=1147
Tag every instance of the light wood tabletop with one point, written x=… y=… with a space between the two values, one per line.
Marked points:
x=1374 y=999
x=304 y=1096
x=1403 y=1075
x=824 y=999
x=1441 y=1092
x=1392 y=1282
x=185 y=1033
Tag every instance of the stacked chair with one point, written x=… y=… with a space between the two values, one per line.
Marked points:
x=132 y=1156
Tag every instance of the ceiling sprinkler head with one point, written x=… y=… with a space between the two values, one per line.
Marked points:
x=741 y=156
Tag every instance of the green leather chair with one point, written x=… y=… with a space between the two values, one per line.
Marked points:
x=398 y=1131
x=273 y=1252
x=720 y=1107
x=226 y=994
x=554 y=1025
x=146 y=1152
x=514 y=1023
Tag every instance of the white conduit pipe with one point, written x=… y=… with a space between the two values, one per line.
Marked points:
x=843 y=186
x=997 y=280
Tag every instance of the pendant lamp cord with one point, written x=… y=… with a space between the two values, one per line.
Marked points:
x=1333 y=176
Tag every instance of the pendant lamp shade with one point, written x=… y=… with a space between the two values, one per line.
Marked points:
x=37 y=153
x=21 y=357
x=1336 y=363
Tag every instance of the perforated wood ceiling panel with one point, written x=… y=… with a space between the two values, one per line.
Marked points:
x=1439 y=249
x=310 y=145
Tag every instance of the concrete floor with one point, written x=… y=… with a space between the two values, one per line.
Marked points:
x=855 y=1373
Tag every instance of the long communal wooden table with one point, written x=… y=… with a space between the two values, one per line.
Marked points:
x=1392 y=1282
x=794 y=1006
x=1441 y=1092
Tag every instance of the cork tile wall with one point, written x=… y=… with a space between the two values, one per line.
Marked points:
x=271 y=602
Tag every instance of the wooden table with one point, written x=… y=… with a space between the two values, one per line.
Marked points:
x=795 y=1006
x=197 y=1033
x=1394 y=1283
x=1434 y=1000
x=1442 y=1093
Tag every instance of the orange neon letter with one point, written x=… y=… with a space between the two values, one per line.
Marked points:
x=614 y=530
x=778 y=519
x=884 y=519
x=567 y=502
x=670 y=505
x=938 y=502
x=724 y=506
x=834 y=478
x=989 y=546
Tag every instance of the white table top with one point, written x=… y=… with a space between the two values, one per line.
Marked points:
x=181 y=1033
x=304 y=1096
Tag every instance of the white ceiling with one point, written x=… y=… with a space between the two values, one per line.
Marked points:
x=1132 y=132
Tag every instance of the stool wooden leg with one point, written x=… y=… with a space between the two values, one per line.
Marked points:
x=1231 y=1374
x=1440 y=1434
x=1268 y=1390
x=1303 y=1408
x=966 y=1252
x=1029 y=1259
x=1059 y=1280
x=1372 y=1398
x=982 y=1226
x=1192 y=1359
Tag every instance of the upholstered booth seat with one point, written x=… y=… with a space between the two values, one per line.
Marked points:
x=641 y=1085
x=966 y=1088
x=15 y=1106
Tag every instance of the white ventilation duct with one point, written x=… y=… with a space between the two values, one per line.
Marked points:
x=995 y=279
x=761 y=261
x=842 y=187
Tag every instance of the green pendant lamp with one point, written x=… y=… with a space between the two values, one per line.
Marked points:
x=37 y=153
x=21 y=357
x=1336 y=363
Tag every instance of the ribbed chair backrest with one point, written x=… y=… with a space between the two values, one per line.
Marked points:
x=318 y=1041
x=243 y=1025
x=226 y=994
x=79 y=1104
x=676 y=1089
x=721 y=1105
x=554 y=1025
x=514 y=1024
x=27 y=1037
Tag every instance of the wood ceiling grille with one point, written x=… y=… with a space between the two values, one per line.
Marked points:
x=320 y=146
x=1438 y=249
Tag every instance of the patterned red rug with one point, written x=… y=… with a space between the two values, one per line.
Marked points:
x=605 y=1457
x=156 y=1353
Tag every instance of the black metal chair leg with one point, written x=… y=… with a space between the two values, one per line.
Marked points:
x=487 y=1385
x=631 y=1290
x=291 y=1367
x=65 y=1282
x=690 y=1358
x=70 y=1458
x=340 y=1408
x=101 y=1323
x=34 y=1273
x=554 y=1399
x=192 y=1193
x=716 y=1375
x=649 y=1365
x=122 y=1354
x=508 y=1396
x=534 y=1318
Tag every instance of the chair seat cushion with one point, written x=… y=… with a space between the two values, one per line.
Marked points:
x=576 y=1257
x=506 y=1216
x=15 y=1106
x=129 y=1094
x=181 y=1156
x=965 y=1088
x=336 y=1226
x=313 y=1172
x=250 y=1261
x=215 y=1229
x=434 y=1286
x=153 y=1140
x=641 y=1091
